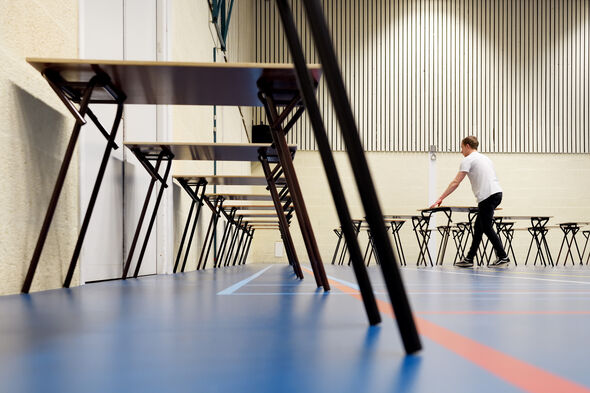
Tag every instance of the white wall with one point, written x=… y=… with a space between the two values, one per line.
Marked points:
x=421 y=73
x=192 y=38
x=102 y=250
x=34 y=130
x=534 y=184
x=132 y=34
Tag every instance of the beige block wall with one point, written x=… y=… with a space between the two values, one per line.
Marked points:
x=34 y=131
x=534 y=184
x=192 y=38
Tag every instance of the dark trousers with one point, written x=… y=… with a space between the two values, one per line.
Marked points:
x=484 y=223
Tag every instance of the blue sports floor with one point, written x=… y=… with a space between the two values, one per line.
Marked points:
x=255 y=328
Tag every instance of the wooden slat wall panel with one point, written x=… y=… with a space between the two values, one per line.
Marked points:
x=429 y=72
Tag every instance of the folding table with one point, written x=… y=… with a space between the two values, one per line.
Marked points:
x=84 y=82
x=187 y=182
x=396 y=221
x=445 y=230
x=370 y=248
x=195 y=186
x=505 y=226
x=586 y=234
x=340 y=233
x=243 y=152
x=570 y=229
x=280 y=182
x=276 y=86
x=538 y=231
x=395 y=225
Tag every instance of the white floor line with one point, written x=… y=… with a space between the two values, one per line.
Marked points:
x=235 y=287
x=288 y=293
x=349 y=284
x=508 y=276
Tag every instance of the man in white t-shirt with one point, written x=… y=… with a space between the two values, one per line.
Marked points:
x=488 y=193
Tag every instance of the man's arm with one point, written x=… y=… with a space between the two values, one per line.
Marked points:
x=452 y=187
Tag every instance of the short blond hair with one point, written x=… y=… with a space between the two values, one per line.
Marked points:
x=470 y=141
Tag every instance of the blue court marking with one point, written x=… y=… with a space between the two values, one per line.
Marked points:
x=231 y=290
x=286 y=293
x=235 y=287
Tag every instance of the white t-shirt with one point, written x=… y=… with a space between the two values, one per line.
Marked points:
x=482 y=175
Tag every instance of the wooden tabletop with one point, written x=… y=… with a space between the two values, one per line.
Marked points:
x=241 y=197
x=193 y=151
x=458 y=209
x=254 y=214
x=248 y=207
x=393 y=217
x=517 y=218
x=180 y=83
x=545 y=227
x=225 y=180
x=386 y=220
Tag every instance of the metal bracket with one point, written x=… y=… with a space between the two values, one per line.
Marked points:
x=221 y=16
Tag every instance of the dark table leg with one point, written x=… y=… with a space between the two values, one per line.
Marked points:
x=183 y=238
x=142 y=216
x=587 y=236
x=163 y=186
x=61 y=177
x=279 y=208
x=236 y=233
x=226 y=236
x=307 y=91
x=208 y=242
x=339 y=234
x=93 y=197
x=240 y=246
x=395 y=228
x=248 y=247
x=286 y=162
x=196 y=201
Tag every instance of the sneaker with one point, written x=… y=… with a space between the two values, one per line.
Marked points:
x=500 y=262
x=465 y=262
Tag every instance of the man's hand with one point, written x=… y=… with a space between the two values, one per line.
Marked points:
x=437 y=203
x=452 y=187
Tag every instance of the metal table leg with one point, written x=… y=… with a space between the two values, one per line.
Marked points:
x=208 y=242
x=226 y=235
x=339 y=234
x=69 y=97
x=395 y=228
x=284 y=229
x=307 y=91
x=196 y=201
x=391 y=274
x=280 y=143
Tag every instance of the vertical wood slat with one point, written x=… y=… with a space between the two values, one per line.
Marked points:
x=424 y=72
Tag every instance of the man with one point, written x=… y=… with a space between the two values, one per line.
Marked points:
x=488 y=193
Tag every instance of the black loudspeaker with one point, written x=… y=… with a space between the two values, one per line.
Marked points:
x=261 y=134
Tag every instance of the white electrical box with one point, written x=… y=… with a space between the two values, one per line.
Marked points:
x=279 y=249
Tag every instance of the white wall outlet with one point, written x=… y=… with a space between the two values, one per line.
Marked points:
x=279 y=249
